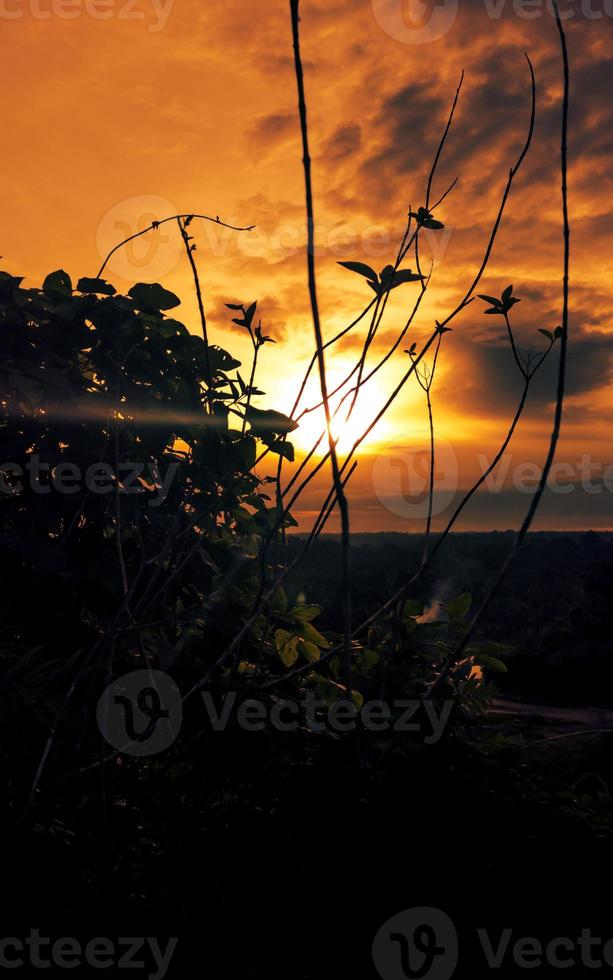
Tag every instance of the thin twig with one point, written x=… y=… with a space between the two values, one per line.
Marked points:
x=340 y=493
x=154 y=227
x=190 y=255
x=454 y=656
x=442 y=143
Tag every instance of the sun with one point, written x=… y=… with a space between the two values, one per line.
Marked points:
x=349 y=421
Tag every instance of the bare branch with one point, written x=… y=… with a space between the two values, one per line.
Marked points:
x=156 y=224
x=340 y=493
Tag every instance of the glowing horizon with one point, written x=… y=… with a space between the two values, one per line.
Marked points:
x=200 y=115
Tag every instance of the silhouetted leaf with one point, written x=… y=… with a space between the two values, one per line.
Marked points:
x=425 y=219
x=305 y=613
x=8 y=280
x=165 y=326
x=546 y=333
x=249 y=313
x=500 y=306
x=406 y=275
x=86 y=285
x=281 y=447
x=287 y=647
x=391 y=279
x=220 y=360
x=361 y=269
x=269 y=421
x=308 y=632
x=310 y=651
x=58 y=286
x=151 y=297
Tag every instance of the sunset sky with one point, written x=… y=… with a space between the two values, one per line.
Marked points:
x=116 y=113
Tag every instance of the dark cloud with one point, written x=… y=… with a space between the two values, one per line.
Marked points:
x=345 y=140
x=402 y=131
x=487 y=382
x=274 y=128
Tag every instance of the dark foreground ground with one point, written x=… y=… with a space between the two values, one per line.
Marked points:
x=273 y=856
x=268 y=868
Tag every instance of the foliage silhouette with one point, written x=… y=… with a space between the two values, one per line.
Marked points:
x=137 y=531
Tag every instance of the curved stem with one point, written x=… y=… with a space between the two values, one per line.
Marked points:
x=455 y=655
x=442 y=143
x=194 y=268
x=156 y=224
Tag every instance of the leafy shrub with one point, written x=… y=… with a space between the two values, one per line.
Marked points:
x=135 y=529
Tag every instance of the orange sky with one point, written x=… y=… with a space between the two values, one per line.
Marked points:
x=119 y=111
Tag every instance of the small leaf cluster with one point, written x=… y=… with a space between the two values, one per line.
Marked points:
x=506 y=302
x=557 y=333
x=257 y=337
x=388 y=279
x=425 y=220
x=418 y=643
x=503 y=305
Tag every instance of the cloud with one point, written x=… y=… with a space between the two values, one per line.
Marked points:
x=216 y=97
x=487 y=381
x=345 y=140
x=274 y=128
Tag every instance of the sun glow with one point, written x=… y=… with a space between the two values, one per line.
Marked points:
x=348 y=424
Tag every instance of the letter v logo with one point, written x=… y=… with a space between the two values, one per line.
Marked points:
x=415 y=21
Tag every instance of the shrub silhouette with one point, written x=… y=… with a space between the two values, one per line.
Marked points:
x=134 y=519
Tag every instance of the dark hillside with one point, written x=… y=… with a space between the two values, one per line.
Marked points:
x=555 y=609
